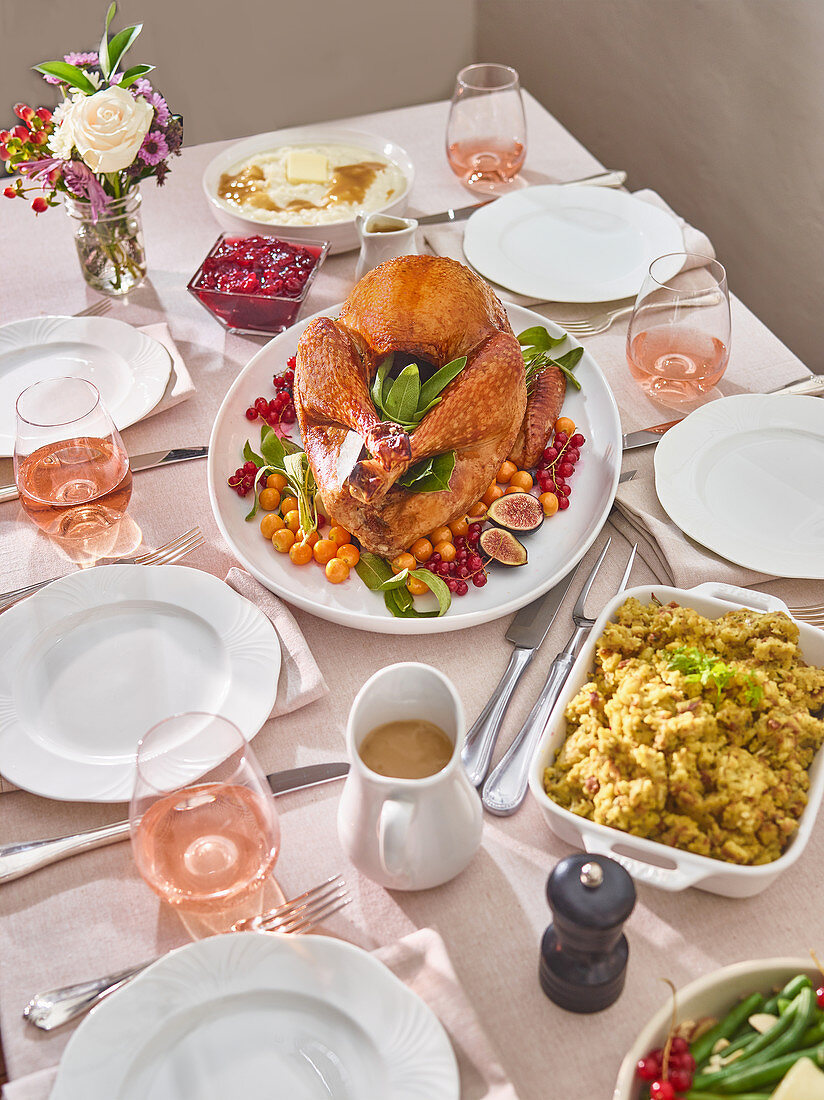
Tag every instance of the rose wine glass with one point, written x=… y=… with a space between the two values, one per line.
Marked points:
x=486 y=132
x=678 y=340
x=70 y=465
x=205 y=832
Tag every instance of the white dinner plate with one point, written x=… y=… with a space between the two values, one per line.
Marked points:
x=744 y=476
x=553 y=549
x=94 y=660
x=568 y=243
x=129 y=368
x=269 y=1017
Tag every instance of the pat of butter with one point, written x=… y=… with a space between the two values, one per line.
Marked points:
x=804 y=1081
x=303 y=167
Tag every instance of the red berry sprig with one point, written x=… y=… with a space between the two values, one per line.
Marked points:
x=679 y=1071
x=557 y=465
x=467 y=565
x=281 y=409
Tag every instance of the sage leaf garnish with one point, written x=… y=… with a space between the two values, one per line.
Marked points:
x=430 y=475
x=433 y=388
x=405 y=400
x=376 y=573
x=402 y=400
x=536 y=344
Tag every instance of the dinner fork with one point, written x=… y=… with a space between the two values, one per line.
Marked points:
x=505 y=787
x=811 y=613
x=56 y=1007
x=600 y=322
x=102 y=305
x=164 y=555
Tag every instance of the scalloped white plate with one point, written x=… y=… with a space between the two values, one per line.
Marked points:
x=128 y=367
x=744 y=476
x=269 y=1017
x=97 y=658
x=553 y=549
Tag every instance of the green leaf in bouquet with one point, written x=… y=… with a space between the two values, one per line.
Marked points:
x=103 y=52
x=402 y=400
x=121 y=42
x=430 y=475
x=69 y=73
x=131 y=75
x=435 y=385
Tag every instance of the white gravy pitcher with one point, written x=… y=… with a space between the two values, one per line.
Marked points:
x=383 y=237
x=408 y=834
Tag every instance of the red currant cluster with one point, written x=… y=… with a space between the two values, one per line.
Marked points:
x=281 y=409
x=467 y=564
x=557 y=465
x=680 y=1070
x=258 y=265
x=243 y=479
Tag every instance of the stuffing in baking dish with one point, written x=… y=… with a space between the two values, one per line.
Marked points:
x=694 y=732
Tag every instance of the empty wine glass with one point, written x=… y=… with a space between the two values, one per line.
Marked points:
x=70 y=465
x=678 y=340
x=486 y=132
x=205 y=832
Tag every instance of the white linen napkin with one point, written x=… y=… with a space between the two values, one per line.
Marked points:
x=301 y=681
x=421 y=962
x=447 y=240
x=180 y=385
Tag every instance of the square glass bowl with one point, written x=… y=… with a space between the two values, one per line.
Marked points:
x=256 y=285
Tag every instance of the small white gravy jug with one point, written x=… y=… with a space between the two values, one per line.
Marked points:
x=383 y=237
x=408 y=834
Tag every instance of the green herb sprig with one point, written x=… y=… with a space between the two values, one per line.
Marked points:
x=703 y=668
x=282 y=456
x=376 y=573
x=536 y=344
x=406 y=400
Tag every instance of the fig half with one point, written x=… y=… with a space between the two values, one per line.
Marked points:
x=502 y=546
x=516 y=512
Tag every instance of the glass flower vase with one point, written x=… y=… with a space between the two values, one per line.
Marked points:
x=110 y=247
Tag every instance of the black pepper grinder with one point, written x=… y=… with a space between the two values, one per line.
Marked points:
x=584 y=951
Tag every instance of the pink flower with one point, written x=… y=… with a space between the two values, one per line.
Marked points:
x=162 y=112
x=154 y=148
x=81 y=58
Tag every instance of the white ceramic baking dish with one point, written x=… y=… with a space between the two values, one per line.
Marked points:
x=649 y=861
x=712 y=994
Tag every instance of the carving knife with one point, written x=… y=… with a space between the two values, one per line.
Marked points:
x=137 y=462
x=22 y=858
x=811 y=385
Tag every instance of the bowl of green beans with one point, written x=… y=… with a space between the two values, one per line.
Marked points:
x=783 y=987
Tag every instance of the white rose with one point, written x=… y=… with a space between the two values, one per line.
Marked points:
x=108 y=128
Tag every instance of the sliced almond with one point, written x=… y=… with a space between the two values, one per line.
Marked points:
x=722 y=1044
x=762 y=1021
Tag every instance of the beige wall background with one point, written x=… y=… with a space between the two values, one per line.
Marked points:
x=717 y=104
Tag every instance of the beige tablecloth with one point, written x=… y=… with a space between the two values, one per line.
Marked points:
x=92 y=914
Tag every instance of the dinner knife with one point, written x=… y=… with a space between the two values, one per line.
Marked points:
x=460 y=213
x=526 y=632
x=811 y=385
x=139 y=462
x=20 y=859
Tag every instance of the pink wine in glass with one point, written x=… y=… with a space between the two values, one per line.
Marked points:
x=207 y=847
x=486 y=161
x=677 y=361
x=75 y=487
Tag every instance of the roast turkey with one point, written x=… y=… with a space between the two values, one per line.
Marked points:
x=429 y=310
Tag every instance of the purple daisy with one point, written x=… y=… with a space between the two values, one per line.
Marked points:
x=142 y=87
x=154 y=148
x=162 y=112
x=81 y=182
x=80 y=59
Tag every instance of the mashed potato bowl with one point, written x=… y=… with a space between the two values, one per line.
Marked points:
x=342 y=234
x=649 y=861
